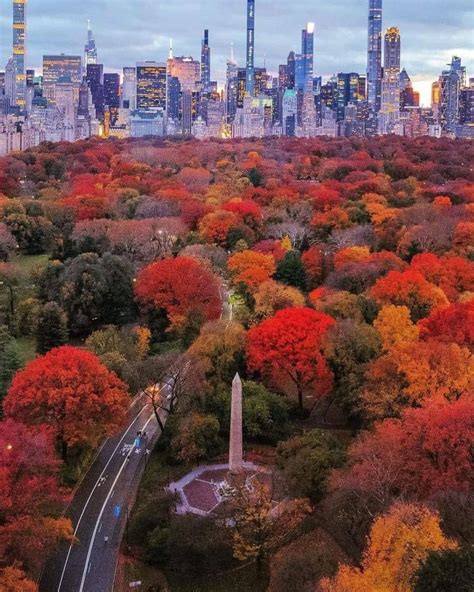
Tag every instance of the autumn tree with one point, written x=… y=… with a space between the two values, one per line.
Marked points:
x=398 y=544
x=220 y=346
x=454 y=323
x=14 y=579
x=51 y=329
x=425 y=452
x=410 y=289
x=415 y=373
x=197 y=438
x=395 y=327
x=183 y=287
x=257 y=529
x=251 y=269
x=71 y=391
x=287 y=349
x=215 y=226
x=272 y=296
x=31 y=497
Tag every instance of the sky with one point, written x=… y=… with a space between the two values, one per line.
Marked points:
x=127 y=31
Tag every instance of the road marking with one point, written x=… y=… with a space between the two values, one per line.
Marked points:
x=92 y=493
x=89 y=568
x=106 y=501
x=101 y=525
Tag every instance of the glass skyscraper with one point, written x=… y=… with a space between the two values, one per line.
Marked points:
x=307 y=55
x=250 y=74
x=90 y=49
x=151 y=85
x=390 y=104
x=19 y=37
x=374 y=55
x=205 y=63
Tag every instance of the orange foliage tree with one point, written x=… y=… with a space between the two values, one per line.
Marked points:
x=251 y=268
x=399 y=542
x=408 y=288
x=71 y=391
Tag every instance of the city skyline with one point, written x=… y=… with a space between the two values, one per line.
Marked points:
x=424 y=54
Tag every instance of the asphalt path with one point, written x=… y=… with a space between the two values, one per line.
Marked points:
x=99 y=509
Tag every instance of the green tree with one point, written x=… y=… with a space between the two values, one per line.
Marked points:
x=92 y=290
x=290 y=270
x=451 y=570
x=52 y=328
x=10 y=360
x=197 y=438
x=348 y=347
x=265 y=414
x=307 y=460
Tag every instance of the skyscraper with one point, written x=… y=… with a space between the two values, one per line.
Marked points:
x=231 y=86
x=151 y=85
x=19 y=37
x=390 y=104
x=451 y=81
x=307 y=54
x=129 y=88
x=205 y=62
x=374 y=55
x=61 y=68
x=250 y=75
x=90 y=49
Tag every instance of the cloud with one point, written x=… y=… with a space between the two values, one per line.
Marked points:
x=134 y=30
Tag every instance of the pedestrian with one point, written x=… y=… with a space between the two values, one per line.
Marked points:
x=106 y=540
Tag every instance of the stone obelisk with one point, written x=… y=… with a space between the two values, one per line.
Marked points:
x=235 y=441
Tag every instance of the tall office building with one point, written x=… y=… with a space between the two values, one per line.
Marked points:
x=19 y=39
x=151 y=85
x=250 y=63
x=374 y=55
x=112 y=90
x=390 y=104
x=307 y=57
x=129 y=88
x=205 y=63
x=349 y=90
x=186 y=70
x=95 y=80
x=90 y=49
x=231 y=86
x=61 y=68
x=291 y=63
x=10 y=83
x=451 y=81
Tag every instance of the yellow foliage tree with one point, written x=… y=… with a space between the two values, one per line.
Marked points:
x=286 y=244
x=395 y=327
x=273 y=296
x=251 y=268
x=143 y=336
x=219 y=347
x=399 y=542
x=13 y=579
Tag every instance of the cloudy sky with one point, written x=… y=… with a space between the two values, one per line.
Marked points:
x=127 y=31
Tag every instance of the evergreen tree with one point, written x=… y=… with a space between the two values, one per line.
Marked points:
x=52 y=328
x=9 y=359
x=290 y=270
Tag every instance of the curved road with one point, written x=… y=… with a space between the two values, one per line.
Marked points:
x=99 y=509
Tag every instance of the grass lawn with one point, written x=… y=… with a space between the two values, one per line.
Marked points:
x=27 y=264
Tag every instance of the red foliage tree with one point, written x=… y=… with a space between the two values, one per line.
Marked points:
x=181 y=287
x=287 y=347
x=72 y=392
x=426 y=452
x=453 y=275
x=454 y=323
x=30 y=494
